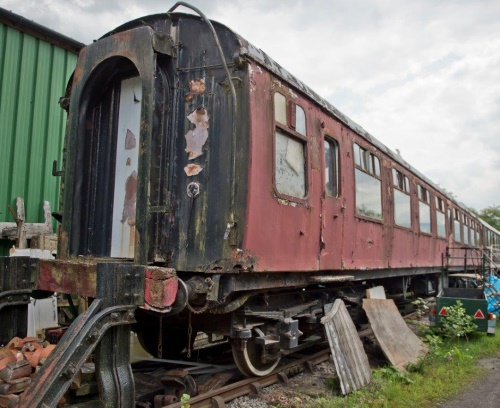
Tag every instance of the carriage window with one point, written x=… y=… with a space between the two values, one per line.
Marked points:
x=473 y=228
x=424 y=210
x=466 y=229
x=290 y=165
x=440 y=218
x=368 y=184
x=357 y=155
x=280 y=108
x=402 y=202
x=456 y=226
x=290 y=176
x=331 y=167
x=300 y=120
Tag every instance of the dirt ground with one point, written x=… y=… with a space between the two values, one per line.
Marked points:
x=484 y=392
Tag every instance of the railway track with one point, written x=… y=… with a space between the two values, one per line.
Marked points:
x=213 y=383
x=253 y=386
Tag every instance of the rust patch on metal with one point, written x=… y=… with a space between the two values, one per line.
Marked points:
x=196 y=88
x=240 y=260
x=161 y=287
x=193 y=169
x=130 y=199
x=196 y=138
x=68 y=277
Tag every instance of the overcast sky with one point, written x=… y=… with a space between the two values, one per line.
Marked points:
x=421 y=76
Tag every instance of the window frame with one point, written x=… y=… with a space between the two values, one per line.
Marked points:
x=290 y=131
x=441 y=209
x=457 y=218
x=403 y=181
x=331 y=140
x=368 y=163
x=425 y=197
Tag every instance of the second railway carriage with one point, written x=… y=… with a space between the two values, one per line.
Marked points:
x=249 y=200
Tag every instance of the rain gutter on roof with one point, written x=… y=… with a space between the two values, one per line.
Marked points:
x=36 y=30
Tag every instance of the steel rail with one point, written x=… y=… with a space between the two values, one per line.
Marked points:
x=218 y=397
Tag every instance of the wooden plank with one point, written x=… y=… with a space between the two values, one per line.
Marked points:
x=26 y=230
x=399 y=344
x=378 y=292
x=348 y=353
x=330 y=278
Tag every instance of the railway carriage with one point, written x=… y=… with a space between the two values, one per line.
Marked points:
x=249 y=201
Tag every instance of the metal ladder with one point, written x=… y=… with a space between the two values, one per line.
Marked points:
x=492 y=263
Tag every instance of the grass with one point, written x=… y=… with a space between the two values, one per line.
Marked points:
x=449 y=367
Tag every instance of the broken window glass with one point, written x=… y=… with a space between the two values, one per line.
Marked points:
x=290 y=165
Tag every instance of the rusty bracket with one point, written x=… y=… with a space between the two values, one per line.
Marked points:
x=164 y=44
x=105 y=326
x=18 y=276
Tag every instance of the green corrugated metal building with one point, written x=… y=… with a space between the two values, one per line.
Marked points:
x=35 y=66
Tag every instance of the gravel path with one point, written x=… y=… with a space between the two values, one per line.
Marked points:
x=484 y=392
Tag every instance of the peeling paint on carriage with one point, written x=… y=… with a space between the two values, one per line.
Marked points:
x=197 y=137
x=160 y=288
x=79 y=276
x=196 y=87
x=193 y=169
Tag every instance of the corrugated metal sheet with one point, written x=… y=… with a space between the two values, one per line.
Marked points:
x=33 y=75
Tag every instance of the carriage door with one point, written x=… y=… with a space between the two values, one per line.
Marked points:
x=126 y=168
x=332 y=218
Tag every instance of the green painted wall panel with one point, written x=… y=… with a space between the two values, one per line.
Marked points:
x=33 y=76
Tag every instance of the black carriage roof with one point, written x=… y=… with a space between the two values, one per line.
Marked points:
x=250 y=51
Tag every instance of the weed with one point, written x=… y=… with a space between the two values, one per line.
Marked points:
x=458 y=324
x=448 y=368
x=394 y=375
x=184 y=400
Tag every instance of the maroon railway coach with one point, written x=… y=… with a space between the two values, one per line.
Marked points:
x=244 y=200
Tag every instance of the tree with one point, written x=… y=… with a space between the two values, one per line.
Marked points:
x=491 y=215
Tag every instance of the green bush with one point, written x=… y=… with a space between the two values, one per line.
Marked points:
x=458 y=324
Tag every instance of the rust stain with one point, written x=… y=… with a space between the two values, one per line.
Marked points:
x=130 y=199
x=68 y=277
x=196 y=87
x=193 y=169
x=130 y=141
x=196 y=138
x=240 y=260
x=161 y=286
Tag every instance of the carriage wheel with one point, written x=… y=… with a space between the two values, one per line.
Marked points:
x=247 y=356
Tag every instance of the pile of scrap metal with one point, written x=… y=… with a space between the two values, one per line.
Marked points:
x=19 y=362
